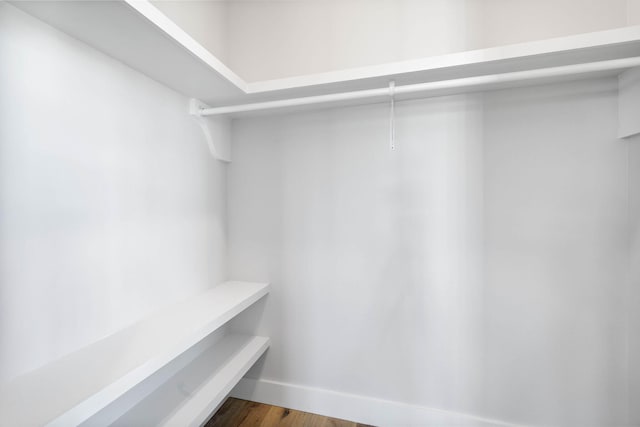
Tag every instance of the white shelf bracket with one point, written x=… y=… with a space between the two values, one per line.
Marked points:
x=217 y=131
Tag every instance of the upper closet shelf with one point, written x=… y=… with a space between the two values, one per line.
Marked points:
x=76 y=387
x=138 y=34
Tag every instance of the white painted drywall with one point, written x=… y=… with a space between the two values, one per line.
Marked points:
x=274 y=39
x=349 y=234
x=629 y=103
x=205 y=21
x=633 y=12
x=481 y=268
x=516 y=21
x=556 y=254
x=634 y=282
x=268 y=39
x=110 y=204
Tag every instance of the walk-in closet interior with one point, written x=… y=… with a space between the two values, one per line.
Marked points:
x=389 y=212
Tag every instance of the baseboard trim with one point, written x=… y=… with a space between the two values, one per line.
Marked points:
x=352 y=407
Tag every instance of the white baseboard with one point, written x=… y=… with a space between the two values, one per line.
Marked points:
x=361 y=409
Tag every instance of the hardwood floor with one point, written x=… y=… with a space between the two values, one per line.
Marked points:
x=242 y=413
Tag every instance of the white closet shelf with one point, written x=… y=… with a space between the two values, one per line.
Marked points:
x=70 y=390
x=193 y=394
x=138 y=34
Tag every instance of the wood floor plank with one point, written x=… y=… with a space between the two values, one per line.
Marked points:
x=256 y=415
x=238 y=411
x=273 y=417
x=243 y=413
x=335 y=422
x=312 y=420
x=228 y=409
x=292 y=419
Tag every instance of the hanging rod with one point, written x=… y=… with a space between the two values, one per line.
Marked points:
x=425 y=88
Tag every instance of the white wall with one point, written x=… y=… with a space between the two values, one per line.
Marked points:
x=110 y=205
x=205 y=21
x=274 y=39
x=633 y=12
x=349 y=234
x=481 y=268
x=629 y=103
x=556 y=230
x=634 y=283
x=515 y=21
x=267 y=39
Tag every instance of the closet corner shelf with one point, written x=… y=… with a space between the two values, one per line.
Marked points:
x=138 y=34
x=74 y=388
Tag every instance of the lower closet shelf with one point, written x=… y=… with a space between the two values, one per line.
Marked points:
x=192 y=395
x=76 y=387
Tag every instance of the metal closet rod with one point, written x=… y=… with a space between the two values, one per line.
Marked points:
x=426 y=88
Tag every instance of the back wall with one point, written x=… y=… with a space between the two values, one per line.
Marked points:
x=481 y=268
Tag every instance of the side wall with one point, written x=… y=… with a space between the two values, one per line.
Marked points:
x=110 y=205
x=634 y=289
x=479 y=269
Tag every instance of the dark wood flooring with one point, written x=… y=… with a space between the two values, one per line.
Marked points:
x=242 y=413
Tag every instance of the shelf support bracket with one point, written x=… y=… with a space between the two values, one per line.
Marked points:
x=217 y=131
